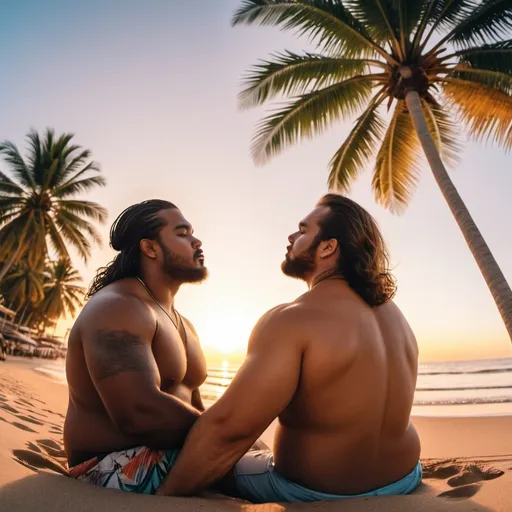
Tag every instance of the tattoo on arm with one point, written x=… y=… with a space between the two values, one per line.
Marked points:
x=115 y=352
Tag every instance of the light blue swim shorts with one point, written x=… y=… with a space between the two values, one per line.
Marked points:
x=258 y=481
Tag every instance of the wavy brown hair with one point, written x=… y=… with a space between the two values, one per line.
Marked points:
x=133 y=224
x=363 y=256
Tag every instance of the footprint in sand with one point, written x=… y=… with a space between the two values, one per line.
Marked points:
x=463 y=492
x=472 y=474
x=466 y=479
x=440 y=471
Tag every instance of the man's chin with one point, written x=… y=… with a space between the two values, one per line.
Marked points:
x=289 y=270
x=190 y=275
x=200 y=275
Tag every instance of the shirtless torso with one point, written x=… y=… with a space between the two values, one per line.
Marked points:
x=132 y=381
x=339 y=375
x=347 y=428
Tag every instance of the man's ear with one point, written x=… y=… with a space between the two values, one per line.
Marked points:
x=148 y=248
x=328 y=247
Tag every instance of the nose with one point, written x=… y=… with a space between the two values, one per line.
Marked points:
x=291 y=238
x=196 y=243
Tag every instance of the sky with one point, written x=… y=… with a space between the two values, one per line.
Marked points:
x=151 y=88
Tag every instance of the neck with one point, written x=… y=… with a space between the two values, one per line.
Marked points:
x=324 y=275
x=163 y=289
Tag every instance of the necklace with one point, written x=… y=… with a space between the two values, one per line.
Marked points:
x=182 y=332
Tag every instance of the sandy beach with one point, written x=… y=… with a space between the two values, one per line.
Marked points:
x=467 y=461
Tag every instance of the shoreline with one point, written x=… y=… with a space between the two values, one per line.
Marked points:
x=470 y=410
x=467 y=462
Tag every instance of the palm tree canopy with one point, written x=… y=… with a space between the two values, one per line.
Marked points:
x=454 y=53
x=38 y=208
x=63 y=290
x=23 y=285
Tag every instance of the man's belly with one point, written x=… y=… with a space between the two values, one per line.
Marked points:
x=89 y=433
x=342 y=463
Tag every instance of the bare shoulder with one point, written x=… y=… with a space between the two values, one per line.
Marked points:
x=281 y=323
x=111 y=309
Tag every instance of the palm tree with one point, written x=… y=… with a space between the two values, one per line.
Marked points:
x=428 y=59
x=63 y=292
x=38 y=211
x=23 y=288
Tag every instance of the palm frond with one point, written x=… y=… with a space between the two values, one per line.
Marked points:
x=328 y=23
x=18 y=166
x=36 y=155
x=444 y=15
x=494 y=79
x=75 y=238
x=8 y=186
x=73 y=187
x=494 y=57
x=444 y=132
x=410 y=15
x=57 y=242
x=85 y=208
x=10 y=203
x=77 y=162
x=6 y=218
x=490 y=20
x=449 y=13
x=396 y=171
x=486 y=111
x=381 y=21
x=292 y=74
x=311 y=114
x=78 y=223
x=357 y=149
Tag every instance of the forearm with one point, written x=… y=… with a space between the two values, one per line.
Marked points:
x=217 y=452
x=164 y=422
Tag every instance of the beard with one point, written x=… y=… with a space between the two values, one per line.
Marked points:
x=302 y=265
x=179 y=270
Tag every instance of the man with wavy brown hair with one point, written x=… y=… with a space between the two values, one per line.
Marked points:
x=337 y=366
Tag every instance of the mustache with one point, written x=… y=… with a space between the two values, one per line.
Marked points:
x=198 y=254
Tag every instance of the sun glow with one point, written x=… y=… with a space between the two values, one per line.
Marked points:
x=225 y=334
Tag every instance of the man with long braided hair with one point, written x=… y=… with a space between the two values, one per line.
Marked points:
x=134 y=364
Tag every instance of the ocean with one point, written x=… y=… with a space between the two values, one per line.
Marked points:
x=468 y=388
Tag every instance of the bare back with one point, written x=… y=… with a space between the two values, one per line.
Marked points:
x=127 y=369
x=347 y=429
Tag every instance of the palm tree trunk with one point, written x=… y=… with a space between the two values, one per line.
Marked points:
x=493 y=276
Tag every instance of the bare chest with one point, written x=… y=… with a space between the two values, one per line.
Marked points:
x=180 y=362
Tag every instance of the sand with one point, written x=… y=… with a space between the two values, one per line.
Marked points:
x=467 y=462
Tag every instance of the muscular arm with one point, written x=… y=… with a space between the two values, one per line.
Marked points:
x=117 y=348
x=260 y=391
